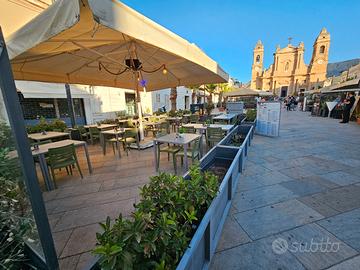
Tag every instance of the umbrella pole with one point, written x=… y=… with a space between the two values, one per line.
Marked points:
x=139 y=109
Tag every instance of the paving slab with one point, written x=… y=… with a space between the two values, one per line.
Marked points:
x=302 y=188
x=345 y=227
x=315 y=247
x=350 y=264
x=276 y=218
x=272 y=178
x=256 y=198
x=257 y=255
x=341 y=178
x=233 y=235
x=318 y=205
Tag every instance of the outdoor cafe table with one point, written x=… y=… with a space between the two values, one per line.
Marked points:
x=44 y=149
x=102 y=126
x=225 y=117
x=203 y=128
x=173 y=139
x=48 y=135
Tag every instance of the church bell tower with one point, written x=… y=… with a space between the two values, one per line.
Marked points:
x=257 y=66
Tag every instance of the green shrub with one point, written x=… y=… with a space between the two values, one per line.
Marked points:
x=15 y=215
x=172 y=113
x=43 y=125
x=6 y=138
x=162 y=225
x=250 y=115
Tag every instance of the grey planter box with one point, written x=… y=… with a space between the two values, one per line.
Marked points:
x=203 y=244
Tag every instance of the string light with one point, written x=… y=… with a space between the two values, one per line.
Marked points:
x=164 y=71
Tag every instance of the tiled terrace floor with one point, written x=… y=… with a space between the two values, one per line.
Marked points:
x=300 y=188
x=78 y=205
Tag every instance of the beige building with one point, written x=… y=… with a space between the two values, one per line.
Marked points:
x=289 y=74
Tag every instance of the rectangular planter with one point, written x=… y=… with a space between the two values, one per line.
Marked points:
x=203 y=244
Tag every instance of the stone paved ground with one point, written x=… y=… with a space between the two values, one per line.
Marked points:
x=77 y=206
x=297 y=190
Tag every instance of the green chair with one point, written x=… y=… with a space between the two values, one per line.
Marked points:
x=94 y=134
x=189 y=129
x=169 y=149
x=62 y=157
x=193 y=152
x=130 y=136
x=214 y=135
x=194 y=118
x=84 y=134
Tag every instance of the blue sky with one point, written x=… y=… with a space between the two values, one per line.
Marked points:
x=227 y=30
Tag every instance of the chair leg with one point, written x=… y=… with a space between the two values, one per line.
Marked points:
x=67 y=170
x=71 y=172
x=53 y=177
x=113 y=146
x=78 y=166
x=174 y=163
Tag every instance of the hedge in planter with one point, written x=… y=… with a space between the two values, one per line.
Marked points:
x=161 y=226
x=16 y=221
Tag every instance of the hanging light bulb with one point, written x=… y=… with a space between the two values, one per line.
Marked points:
x=164 y=71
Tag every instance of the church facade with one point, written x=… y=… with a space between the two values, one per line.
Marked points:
x=289 y=75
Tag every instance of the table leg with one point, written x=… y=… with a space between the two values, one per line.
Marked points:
x=201 y=145
x=88 y=158
x=185 y=157
x=102 y=142
x=156 y=160
x=45 y=172
x=118 y=144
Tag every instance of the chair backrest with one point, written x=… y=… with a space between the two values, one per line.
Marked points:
x=194 y=118
x=94 y=131
x=165 y=126
x=61 y=154
x=131 y=133
x=81 y=129
x=161 y=133
x=196 y=146
x=189 y=129
x=214 y=133
x=32 y=142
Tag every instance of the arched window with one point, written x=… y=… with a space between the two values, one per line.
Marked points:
x=322 y=49
x=287 y=66
x=258 y=59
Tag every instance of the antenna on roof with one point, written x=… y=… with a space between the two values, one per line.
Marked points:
x=290 y=39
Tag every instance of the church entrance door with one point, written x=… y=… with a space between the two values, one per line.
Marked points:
x=283 y=92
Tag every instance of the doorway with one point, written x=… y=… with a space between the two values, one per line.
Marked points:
x=283 y=91
x=187 y=103
x=130 y=104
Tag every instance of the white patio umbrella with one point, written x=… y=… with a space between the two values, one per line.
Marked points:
x=106 y=43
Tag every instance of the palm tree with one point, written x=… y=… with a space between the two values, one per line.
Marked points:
x=193 y=88
x=223 y=88
x=211 y=89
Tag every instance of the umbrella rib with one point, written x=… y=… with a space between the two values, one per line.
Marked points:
x=97 y=59
x=100 y=54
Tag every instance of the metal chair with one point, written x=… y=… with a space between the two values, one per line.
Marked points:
x=194 y=118
x=189 y=129
x=94 y=134
x=169 y=149
x=130 y=136
x=62 y=157
x=214 y=135
x=193 y=153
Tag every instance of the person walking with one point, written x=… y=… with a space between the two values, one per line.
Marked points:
x=348 y=102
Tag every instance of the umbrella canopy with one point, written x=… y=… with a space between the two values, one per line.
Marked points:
x=236 y=92
x=106 y=43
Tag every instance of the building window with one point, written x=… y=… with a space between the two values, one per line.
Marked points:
x=287 y=66
x=158 y=98
x=258 y=59
x=322 y=49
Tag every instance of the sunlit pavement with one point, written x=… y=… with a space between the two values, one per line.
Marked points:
x=297 y=204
